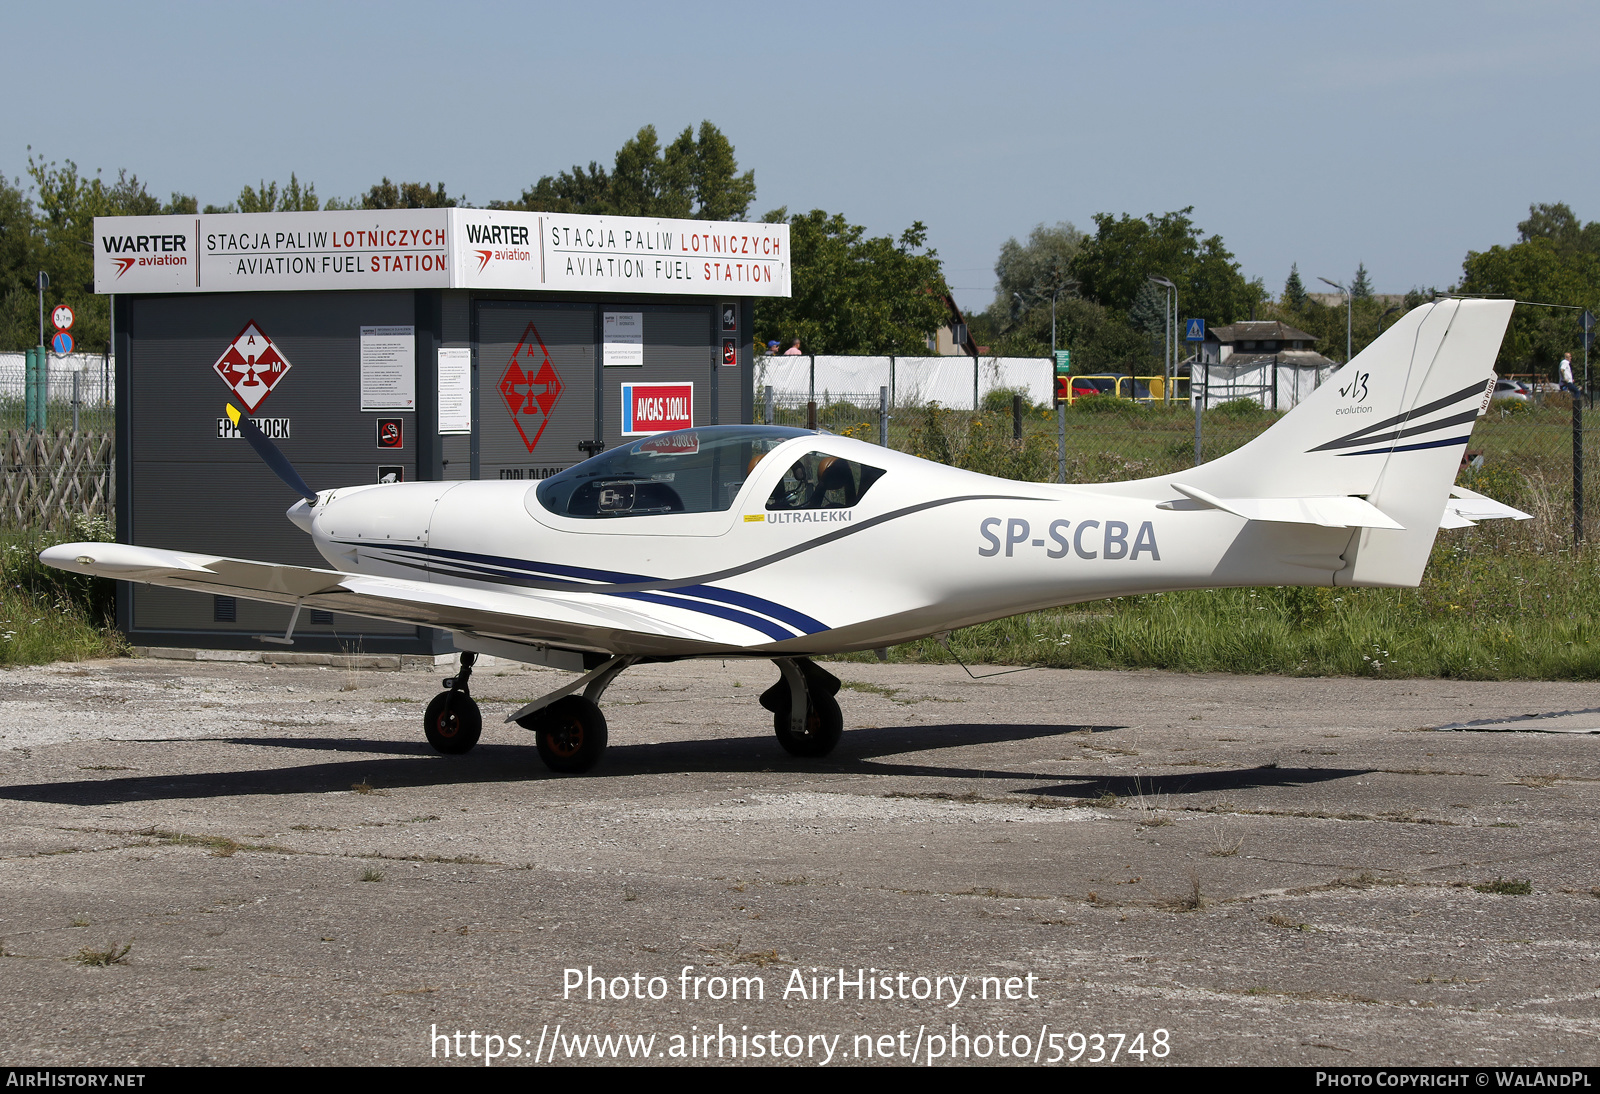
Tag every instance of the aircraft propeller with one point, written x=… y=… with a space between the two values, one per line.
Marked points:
x=270 y=454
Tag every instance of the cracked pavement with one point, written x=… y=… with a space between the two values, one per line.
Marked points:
x=1272 y=870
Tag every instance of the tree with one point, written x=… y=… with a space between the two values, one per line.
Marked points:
x=21 y=257
x=1557 y=224
x=1294 y=290
x=268 y=198
x=693 y=177
x=1360 y=284
x=1556 y=260
x=1535 y=270
x=407 y=195
x=1114 y=265
x=853 y=293
x=1149 y=311
x=720 y=193
x=54 y=233
x=1035 y=269
x=1027 y=275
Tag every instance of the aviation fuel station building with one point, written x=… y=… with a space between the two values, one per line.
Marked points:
x=400 y=344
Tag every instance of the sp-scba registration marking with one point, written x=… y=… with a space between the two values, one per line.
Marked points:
x=1090 y=539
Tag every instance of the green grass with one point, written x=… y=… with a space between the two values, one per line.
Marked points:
x=1505 y=600
x=50 y=615
x=1479 y=615
x=1506 y=887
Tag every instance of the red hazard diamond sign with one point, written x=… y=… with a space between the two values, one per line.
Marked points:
x=251 y=366
x=530 y=387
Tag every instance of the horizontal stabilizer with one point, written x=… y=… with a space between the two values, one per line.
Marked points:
x=1328 y=512
x=1466 y=507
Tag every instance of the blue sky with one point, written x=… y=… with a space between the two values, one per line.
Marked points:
x=1399 y=135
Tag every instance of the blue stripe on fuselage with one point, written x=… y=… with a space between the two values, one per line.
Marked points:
x=494 y=566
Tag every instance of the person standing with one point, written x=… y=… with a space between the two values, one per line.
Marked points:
x=794 y=350
x=1567 y=384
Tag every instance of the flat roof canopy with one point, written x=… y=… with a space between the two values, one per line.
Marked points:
x=438 y=249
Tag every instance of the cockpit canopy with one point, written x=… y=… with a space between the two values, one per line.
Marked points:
x=689 y=471
x=700 y=471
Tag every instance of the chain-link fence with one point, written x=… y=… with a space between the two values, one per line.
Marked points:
x=59 y=469
x=997 y=415
x=1540 y=457
x=81 y=393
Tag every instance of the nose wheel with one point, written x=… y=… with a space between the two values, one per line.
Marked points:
x=453 y=722
x=818 y=730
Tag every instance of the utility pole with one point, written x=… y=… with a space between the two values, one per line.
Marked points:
x=43 y=281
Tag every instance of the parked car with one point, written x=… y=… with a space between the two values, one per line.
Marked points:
x=1512 y=390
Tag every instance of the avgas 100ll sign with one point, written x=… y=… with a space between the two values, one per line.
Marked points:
x=436 y=249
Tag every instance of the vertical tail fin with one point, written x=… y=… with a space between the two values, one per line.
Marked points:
x=1390 y=426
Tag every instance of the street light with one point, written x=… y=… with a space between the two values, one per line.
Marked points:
x=1170 y=365
x=1350 y=306
x=1388 y=312
x=1054 y=293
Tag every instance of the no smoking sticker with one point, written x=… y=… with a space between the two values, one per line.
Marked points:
x=391 y=433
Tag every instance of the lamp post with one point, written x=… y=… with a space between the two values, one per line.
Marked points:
x=1170 y=364
x=1387 y=312
x=1061 y=408
x=1349 y=321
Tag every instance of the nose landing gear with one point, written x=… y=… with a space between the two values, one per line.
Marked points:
x=453 y=723
x=805 y=715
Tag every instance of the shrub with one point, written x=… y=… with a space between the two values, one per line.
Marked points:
x=1238 y=408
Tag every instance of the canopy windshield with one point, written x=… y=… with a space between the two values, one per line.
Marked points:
x=689 y=471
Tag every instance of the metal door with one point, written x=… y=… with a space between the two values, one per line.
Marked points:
x=535 y=388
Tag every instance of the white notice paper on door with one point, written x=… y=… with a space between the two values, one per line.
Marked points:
x=388 y=368
x=455 y=391
x=622 y=339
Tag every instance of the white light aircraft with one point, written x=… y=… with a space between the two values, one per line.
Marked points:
x=785 y=544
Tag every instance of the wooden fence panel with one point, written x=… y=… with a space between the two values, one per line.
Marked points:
x=48 y=479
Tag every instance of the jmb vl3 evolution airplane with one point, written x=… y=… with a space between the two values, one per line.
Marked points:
x=765 y=542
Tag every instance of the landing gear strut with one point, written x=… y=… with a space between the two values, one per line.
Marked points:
x=805 y=715
x=452 y=722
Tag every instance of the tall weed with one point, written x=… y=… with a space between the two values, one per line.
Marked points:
x=48 y=614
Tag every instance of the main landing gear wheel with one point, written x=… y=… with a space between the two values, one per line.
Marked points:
x=570 y=733
x=824 y=723
x=453 y=722
x=824 y=726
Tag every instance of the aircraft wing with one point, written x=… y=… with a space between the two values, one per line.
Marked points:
x=571 y=620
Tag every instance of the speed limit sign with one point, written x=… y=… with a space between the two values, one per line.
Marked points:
x=62 y=317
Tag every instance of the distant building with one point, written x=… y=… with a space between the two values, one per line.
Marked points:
x=952 y=339
x=1265 y=360
x=1256 y=339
